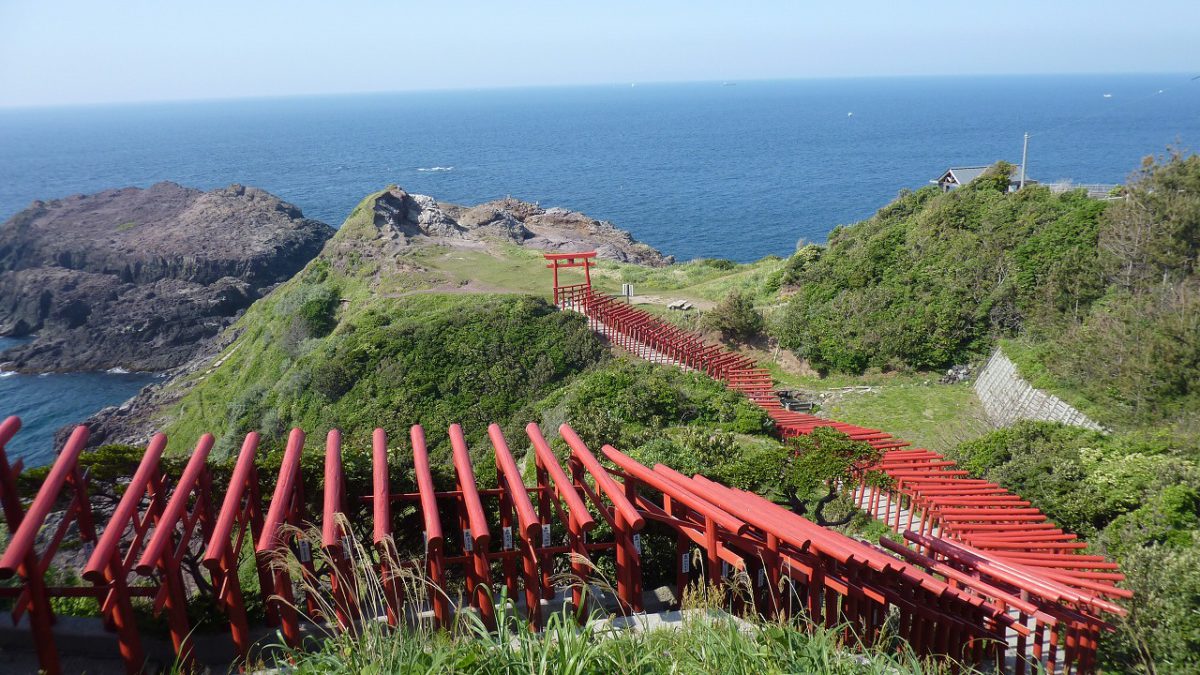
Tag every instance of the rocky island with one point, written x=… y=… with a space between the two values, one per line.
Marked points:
x=138 y=279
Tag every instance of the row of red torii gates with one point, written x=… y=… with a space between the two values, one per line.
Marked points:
x=977 y=576
x=954 y=524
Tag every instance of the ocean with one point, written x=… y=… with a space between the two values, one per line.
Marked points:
x=732 y=170
x=49 y=402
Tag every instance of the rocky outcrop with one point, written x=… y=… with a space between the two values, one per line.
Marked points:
x=139 y=278
x=407 y=218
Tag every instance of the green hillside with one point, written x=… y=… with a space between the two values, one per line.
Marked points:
x=373 y=335
x=1098 y=298
x=1095 y=300
x=1098 y=302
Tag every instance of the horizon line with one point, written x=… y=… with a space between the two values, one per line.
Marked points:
x=517 y=87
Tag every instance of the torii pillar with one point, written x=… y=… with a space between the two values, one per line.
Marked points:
x=568 y=293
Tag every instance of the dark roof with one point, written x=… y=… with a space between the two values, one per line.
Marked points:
x=965 y=174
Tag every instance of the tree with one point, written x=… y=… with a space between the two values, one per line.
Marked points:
x=1153 y=235
x=828 y=460
x=734 y=317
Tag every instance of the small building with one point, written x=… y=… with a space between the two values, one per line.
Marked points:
x=956 y=177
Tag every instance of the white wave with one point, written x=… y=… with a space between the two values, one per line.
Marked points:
x=117 y=371
x=436 y=168
x=7 y=373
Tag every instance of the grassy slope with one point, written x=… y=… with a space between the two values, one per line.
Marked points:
x=270 y=367
x=934 y=416
x=258 y=360
x=267 y=357
x=1031 y=357
x=519 y=270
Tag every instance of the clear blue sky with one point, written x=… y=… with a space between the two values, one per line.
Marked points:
x=68 y=52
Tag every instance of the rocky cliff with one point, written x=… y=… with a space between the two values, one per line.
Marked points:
x=139 y=278
x=409 y=218
x=394 y=248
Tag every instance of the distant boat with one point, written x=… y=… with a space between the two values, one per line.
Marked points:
x=850 y=114
x=729 y=84
x=1108 y=96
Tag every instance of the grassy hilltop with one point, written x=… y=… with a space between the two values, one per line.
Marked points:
x=369 y=336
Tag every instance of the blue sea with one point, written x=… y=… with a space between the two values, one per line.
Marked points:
x=47 y=403
x=733 y=170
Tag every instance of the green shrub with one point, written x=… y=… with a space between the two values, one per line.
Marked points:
x=1161 y=634
x=933 y=277
x=717 y=263
x=428 y=359
x=620 y=402
x=317 y=310
x=734 y=317
x=1135 y=496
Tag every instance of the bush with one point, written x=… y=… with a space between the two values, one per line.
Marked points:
x=428 y=359
x=717 y=263
x=734 y=317
x=317 y=310
x=932 y=278
x=1161 y=634
x=623 y=401
x=1136 y=497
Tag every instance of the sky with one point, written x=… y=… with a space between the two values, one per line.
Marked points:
x=69 y=52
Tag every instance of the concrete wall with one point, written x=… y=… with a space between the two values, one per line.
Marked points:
x=1007 y=398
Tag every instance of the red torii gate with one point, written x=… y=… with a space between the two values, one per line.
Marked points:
x=981 y=567
x=560 y=261
x=951 y=599
x=941 y=499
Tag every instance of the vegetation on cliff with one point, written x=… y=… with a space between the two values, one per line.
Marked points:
x=1134 y=496
x=933 y=276
x=1097 y=302
x=1101 y=299
x=341 y=345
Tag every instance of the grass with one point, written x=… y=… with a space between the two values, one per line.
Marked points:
x=501 y=268
x=508 y=268
x=709 y=639
x=124 y=227
x=696 y=280
x=910 y=406
x=934 y=416
x=368 y=276
x=704 y=643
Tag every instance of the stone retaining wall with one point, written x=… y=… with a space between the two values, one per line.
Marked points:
x=1008 y=398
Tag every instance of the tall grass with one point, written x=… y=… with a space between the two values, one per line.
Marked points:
x=707 y=639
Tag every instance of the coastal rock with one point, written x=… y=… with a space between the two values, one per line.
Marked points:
x=400 y=213
x=409 y=219
x=138 y=278
x=399 y=223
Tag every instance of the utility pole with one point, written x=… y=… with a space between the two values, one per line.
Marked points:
x=1024 y=157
